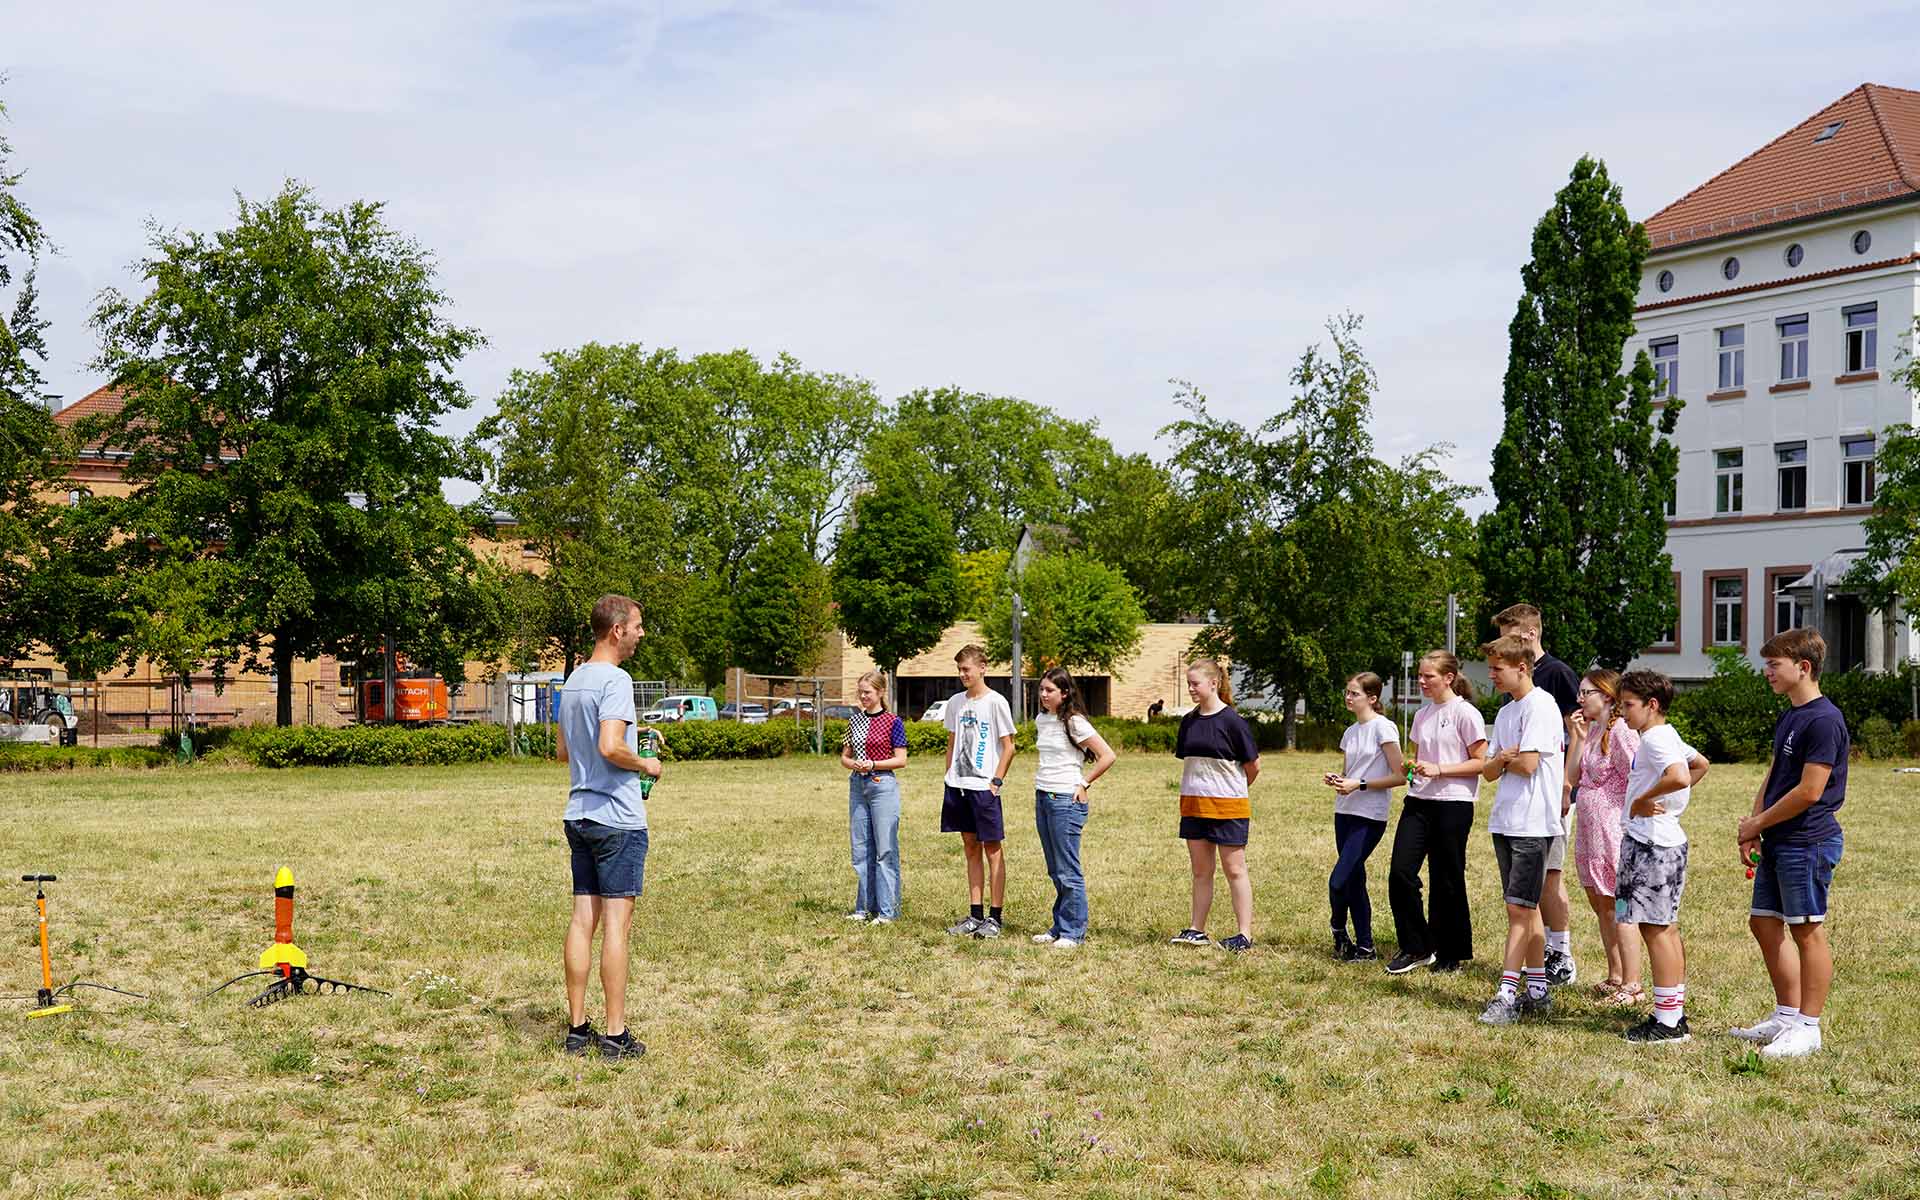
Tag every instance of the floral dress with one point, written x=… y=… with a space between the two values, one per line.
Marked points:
x=1602 y=799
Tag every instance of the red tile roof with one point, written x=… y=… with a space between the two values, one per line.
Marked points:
x=1873 y=158
x=101 y=402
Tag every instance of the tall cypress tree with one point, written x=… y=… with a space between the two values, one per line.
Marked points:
x=1580 y=479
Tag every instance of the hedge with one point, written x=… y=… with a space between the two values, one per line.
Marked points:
x=77 y=758
x=371 y=745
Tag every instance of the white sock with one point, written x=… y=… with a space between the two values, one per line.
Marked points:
x=1509 y=985
x=1810 y=1022
x=1669 y=1004
x=1557 y=940
x=1536 y=982
x=1785 y=1013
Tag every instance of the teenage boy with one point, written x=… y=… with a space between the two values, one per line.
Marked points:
x=605 y=823
x=1561 y=682
x=1653 y=850
x=1523 y=757
x=1795 y=829
x=979 y=751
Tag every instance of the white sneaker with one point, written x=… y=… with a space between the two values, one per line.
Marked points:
x=881 y=921
x=1797 y=1042
x=1762 y=1032
x=1064 y=944
x=857 y=915
x=1043 y=938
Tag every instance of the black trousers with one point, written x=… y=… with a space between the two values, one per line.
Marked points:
x=1434 y=832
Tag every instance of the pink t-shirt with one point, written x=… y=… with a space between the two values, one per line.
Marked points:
x=1443 y=733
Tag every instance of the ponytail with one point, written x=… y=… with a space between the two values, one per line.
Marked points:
x=1445 y=662
x=1371 y=685
x=1608 y=684
x=1211 y=668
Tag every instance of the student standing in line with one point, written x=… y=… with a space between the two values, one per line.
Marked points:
x=1219 y=762
x=1560 y=682
x=874 y=748
x=1607 y=746
x=1373 y=767
x=1524 y=759
x=1064 y=738
x=1795 y=830
x=1449 y=752
x=979 y=751
x=1653 y=854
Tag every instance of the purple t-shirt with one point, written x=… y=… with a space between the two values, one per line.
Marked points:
x=1815 y=732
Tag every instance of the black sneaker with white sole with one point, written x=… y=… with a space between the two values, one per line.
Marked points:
x=1651 y=1032
x=1190 y=937
x=1404 y=962
x=1358 y=953
x=1239 y=943
x=584 y=1041
x=989 y=928
x=625 y=1046
x=1560 y=968
x=966 y=926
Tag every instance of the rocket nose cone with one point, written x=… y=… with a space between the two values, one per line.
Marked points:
x=284 y=878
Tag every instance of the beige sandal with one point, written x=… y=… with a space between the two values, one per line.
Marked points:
x=1627 y=996
x=1605 y=988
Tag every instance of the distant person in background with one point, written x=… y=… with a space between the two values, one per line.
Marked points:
x=875 y=747
x=1155 y=709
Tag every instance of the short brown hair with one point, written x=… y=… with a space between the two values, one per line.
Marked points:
x=1525 y=616
x=1800 y=645
x=608 y=611
x=971 y=653
x=1509 y=649
x=1651 y=686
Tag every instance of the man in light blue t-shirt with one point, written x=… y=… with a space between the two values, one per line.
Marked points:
x=605 y=821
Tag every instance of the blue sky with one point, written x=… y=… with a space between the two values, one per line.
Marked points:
x=1066 y=202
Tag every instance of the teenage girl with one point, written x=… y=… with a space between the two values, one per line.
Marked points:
x=1449 y=750
x=1220 y=761
x=875 y=747
x=1607 y=747
x=1364 y=788
x=1065 y=739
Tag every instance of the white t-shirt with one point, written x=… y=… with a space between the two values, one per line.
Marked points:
x=1660 y=748
x=1443 y=733
x=1061 y=756
x=977 y=726
x=1365 y=745
x=1529 y=805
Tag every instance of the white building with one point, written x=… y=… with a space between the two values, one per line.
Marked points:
x=1778 y=299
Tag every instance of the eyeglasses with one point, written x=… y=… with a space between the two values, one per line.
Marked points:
x=1583 y=693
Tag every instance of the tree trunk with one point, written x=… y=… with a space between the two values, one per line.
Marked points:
x=1288 y=718
x=893 y=688
x=282 y=681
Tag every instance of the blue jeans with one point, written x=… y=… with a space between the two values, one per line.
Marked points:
x=873 y=828
x=1354 y=837
x=1059 y=819
x=1791 y=882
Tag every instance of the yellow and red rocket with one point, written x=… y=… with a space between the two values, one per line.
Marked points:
x=283 y=955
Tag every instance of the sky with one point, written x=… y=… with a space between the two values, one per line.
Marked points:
x=1073 y=203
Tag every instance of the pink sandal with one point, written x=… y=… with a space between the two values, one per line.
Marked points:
x=1627 y=996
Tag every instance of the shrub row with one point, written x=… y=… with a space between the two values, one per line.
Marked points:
x=372 y=745
x=75 y=758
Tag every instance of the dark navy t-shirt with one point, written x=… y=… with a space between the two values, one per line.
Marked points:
x=1815 y=732
x=1559 y=680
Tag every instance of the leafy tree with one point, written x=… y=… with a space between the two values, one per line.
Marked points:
x=982 y=574
x=283 y=378
x=895 y=576
x=1126 y=514
x=1077 y=613
x=1582 y=471
x=1889 y=573
x=781 y=609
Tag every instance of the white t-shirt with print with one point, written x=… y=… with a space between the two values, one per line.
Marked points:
x=1529 y=805
x=1365 y=745
x=977 y=726
x=1660 y=748
x=1061 y=755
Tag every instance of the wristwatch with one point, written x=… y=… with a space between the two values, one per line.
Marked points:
x=996 y=781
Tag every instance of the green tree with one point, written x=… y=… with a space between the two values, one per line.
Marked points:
x=1582 y=471
x=283 y=379
x=895 y=576
x=1126 y=513
x=983 y=573
x=1889 y=573
x=1077 y=613
x=781 y=609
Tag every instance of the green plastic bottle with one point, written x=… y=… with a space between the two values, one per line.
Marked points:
x=647 y=750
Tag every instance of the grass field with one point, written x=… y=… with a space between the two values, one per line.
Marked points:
x=793 y=1054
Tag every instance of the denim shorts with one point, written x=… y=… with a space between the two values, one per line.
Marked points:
x=964 y=810
x=1790 y=883
x=1523 y=867
x=607 y=862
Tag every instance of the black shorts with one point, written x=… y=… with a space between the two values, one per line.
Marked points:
x=1221 y=831
x=1523 y=867
x=977 y=813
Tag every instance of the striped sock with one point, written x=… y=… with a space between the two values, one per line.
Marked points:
x=1669 y=1004
x=1785 y=1013
x=1536 y=982
x=1509 y=985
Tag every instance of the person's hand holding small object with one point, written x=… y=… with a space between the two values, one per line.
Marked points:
x=1426 y=770
x=1347 y=787
x=1330 y=779
x=1750 y=856
x=1749 y=830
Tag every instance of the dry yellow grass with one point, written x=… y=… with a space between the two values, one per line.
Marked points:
x=793 y=1054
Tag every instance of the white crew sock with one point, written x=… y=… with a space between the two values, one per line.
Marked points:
x=1785 y=1014
x=1557 y=940
x=1812 y=1023
x=1669 y=1004
x=1536 y=982
x=1509 y=985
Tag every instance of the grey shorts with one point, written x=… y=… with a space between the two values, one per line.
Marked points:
x=1557 y=854
x=1648 y=883
x=1523 y=867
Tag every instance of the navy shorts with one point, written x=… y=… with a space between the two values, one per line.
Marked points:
x=1221 y=831
x=977 y=813
x=607 y=862
x=1791 y=882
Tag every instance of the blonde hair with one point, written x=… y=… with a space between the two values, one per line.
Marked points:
x=1371 y=685
x=1607 y=683
x=1510 y=649
x=877 y=680
x=971 y=652
x=1211 y=668
x=1446 y=663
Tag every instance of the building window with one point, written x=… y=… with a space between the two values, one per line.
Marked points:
x=1673 y=497
x=1733 y=356
x=1730 y=268
x=1729 y=610
x=1666 y=368
x=1862 y=242
x=1861 y=320
x=1856 y=455
x=74 y=498
x=1792 y=457
x=1789 y=611
x=1670 y=638
x=1727 y=483
x=1795 y=254
x=1793 y=348
x=1664 y=281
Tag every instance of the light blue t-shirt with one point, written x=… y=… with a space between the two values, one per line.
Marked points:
x=597 y=692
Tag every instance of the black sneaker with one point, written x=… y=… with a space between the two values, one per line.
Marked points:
x=1536 y=1006
x=1651 y=1032
x=1239 y=943
x=1560 y=969
x=622 y=1047
x=1358 y=953
x=989 y=928
x=1341 y=946
x=966 y=926
x=1404 y=962
x=1190 y=937
x=581 y=1043
x=1447 y=966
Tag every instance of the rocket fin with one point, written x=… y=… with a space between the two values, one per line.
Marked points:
x=282 y=953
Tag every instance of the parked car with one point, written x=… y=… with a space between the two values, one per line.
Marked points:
x=937 y=711
x=839 y=712
x=682 y=708
x=785 y=708
x=747 y=714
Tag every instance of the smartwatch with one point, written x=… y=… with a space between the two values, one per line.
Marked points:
x=996 y=781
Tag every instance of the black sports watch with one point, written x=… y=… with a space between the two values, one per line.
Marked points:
x=996 y=781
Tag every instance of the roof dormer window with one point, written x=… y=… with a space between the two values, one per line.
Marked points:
x=1826 y=135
